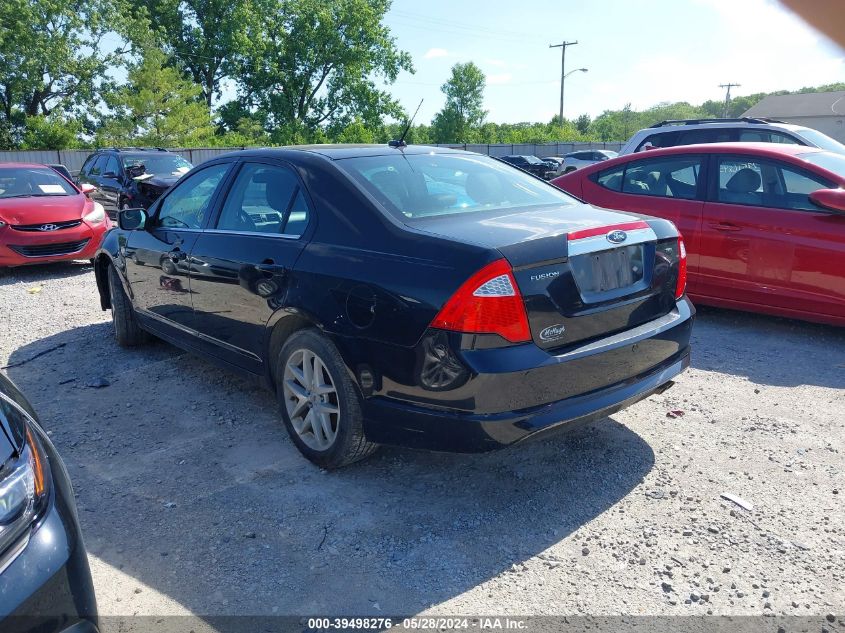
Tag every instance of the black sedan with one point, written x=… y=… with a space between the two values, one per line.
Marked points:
x=531 y=164
x=415 y=296
x=45 y=582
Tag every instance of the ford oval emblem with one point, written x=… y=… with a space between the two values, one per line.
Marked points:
x=552 y=332
x=617 y=237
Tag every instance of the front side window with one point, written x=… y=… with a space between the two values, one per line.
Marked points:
x=265 y=199
x=665 y=177
x=33 y=182
x=112 y=168
x=424 y=185
x=187 y=204
x=97 y=168
x=766 y=184
x=86 y=168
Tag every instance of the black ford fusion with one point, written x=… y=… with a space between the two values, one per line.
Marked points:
x=415 y=296
x=45 y=582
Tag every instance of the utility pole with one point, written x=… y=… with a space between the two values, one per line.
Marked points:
x=562 y=46
x=727 y=88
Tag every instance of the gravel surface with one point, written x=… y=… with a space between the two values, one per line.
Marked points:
x=193 y=500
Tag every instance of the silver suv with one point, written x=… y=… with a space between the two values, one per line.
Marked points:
x=748 y=130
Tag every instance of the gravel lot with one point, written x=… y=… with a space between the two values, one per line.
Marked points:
x=193 y=500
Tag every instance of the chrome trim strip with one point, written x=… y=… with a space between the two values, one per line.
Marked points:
x=634 y=335
x=600 y=243
x=253 y=234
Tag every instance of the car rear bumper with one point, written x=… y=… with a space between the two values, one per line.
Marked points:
x=518 y=392
x=21 y=248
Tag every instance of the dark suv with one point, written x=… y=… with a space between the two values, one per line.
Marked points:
x=132 y=177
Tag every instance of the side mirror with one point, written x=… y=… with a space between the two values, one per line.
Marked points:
x=132 y=219
x=832 y=199
x=87 y=188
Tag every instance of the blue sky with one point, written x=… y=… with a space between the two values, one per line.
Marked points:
x=642 y=52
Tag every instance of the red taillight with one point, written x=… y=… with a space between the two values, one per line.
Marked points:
x=487 y=303
x=682 y=269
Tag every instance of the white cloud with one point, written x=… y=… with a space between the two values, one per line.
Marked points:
x=434 y=53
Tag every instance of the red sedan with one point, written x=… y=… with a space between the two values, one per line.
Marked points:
x=46 y=218
x=764 y=224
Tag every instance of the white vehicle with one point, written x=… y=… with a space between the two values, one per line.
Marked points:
x=582 y=158
x=693 y=131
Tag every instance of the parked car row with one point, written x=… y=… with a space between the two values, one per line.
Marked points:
x=413 y=296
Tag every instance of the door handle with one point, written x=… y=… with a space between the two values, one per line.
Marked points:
x=726 y=226
x=269 y=268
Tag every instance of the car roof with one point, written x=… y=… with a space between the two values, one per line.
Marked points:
x=340 y=151
x=772 y=150
x=26 y=165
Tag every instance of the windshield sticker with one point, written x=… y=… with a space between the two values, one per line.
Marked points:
x=51 y=188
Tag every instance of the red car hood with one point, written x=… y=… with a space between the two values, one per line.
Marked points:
x=38 y=210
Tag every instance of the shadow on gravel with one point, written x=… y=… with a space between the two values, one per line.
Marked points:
x=769 y=350
x=187 y=482
x=42 y=272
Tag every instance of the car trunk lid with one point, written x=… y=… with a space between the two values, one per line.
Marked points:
x=583 y=272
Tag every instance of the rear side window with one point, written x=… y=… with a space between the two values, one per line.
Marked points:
x=766 y=136
x=610 y=178
x=707 y=135
x=674 y=177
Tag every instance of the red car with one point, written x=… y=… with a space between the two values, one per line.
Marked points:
x=764 y=224
x=46 y=218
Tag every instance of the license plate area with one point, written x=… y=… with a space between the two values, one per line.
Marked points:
x=604 y=275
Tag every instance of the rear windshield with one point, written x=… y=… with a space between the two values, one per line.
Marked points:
x=28 y=182
x=826 y=160
x=822 y=141
x=426 y=185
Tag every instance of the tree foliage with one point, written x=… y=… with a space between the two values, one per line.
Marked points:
x=157 y=107
x=312 y=65
x=198 y=36
x=52 y=58
x=464 y=113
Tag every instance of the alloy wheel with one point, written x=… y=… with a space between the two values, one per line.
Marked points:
x=311 y=399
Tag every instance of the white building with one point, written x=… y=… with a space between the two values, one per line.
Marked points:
x=822 y=111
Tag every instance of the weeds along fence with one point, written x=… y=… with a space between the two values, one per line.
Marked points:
x=74 y=158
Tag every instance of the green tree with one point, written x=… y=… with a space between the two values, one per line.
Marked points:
x=463 y=114
x=312 y=64
x=198 y=36
x=582 y=123
x=52 y=58
x=158 y=106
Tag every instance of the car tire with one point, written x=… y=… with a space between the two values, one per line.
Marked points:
x=568 y=169
x=313 y=386
x=127 y=332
